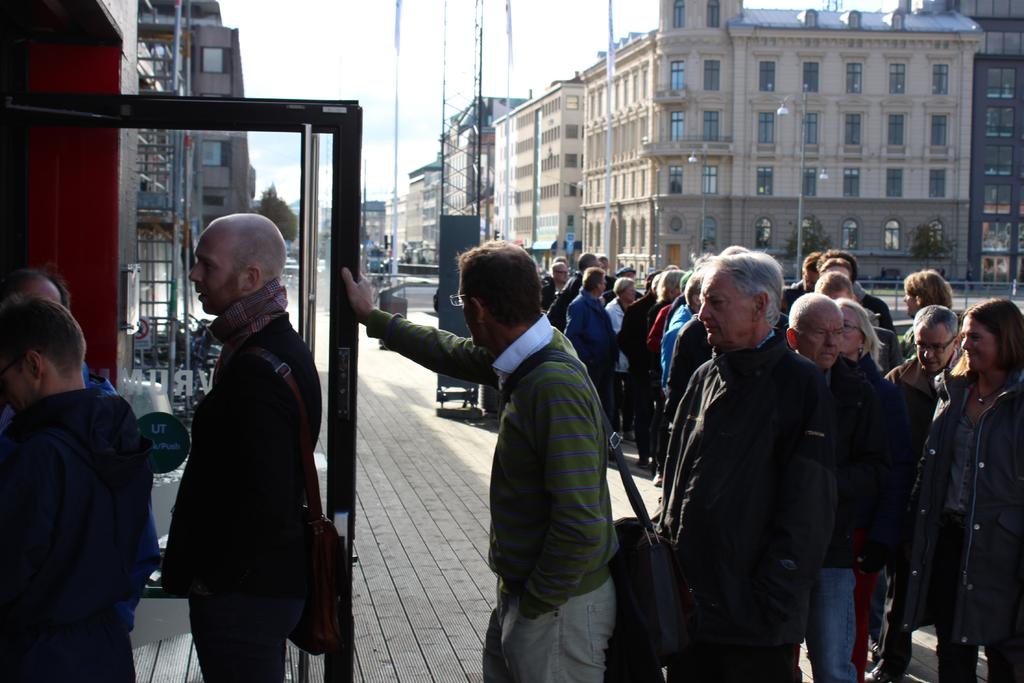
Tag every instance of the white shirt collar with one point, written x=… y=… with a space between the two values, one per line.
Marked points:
x=530 y=342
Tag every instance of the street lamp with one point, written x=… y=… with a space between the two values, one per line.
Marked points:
x=784 y=111
x=703 y=194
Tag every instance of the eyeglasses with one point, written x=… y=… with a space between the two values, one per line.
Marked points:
x=458 y=300
x=822 y=333
x=934 y=348
x=6 y=368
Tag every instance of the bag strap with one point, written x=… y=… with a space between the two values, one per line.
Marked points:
x=614 y=440
x=284 y=371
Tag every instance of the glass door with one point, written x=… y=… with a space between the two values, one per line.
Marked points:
x=116 y=191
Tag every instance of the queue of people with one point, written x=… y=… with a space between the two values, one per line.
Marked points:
x=783 y=425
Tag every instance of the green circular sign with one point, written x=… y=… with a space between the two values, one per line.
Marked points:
x=170 y=439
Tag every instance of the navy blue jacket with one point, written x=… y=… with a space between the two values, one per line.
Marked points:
x=884 y=517
x=590 y=330
x=74 y=500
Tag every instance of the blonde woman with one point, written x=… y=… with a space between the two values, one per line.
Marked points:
x=923 y=288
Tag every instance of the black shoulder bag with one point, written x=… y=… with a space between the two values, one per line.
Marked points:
x=654 y=603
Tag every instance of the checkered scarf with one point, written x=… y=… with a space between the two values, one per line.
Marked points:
x=246 y=317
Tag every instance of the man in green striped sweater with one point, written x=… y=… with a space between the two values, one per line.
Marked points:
x=551 y=532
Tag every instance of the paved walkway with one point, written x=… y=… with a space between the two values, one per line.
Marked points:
x=422 y=590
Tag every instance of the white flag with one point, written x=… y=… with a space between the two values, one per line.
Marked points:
x=398 y=25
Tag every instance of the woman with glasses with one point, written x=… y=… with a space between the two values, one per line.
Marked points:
x=877 y=533
x=923 y=288
x=967 y=554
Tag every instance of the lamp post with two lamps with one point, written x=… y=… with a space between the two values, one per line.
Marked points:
x=784 y=111
x=703 y=194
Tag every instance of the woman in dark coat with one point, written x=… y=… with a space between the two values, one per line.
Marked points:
x=879 y=521
x=967 y=556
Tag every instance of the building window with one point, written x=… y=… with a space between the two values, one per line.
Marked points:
x=763 y=233
x=811 y=128
x=766 y=77
x=764 y=180
x=999 y=122
x=571 y=160
x=851 y=182
x=678 y=71
x=710 y=233
x=572 y=131
x=714 y=14
x=997 y=199
x=891 y=236
x=897 y=79
x=675 y=179
x=711 y=125
x=712 y=74
x=852 y=132
x=811 y=19
x=849 y=237
x=940 y=79
x=1000 y=83
x=572 y=102
x=215 y=153
x=213 y=60
x=213 y=200
x=677 y=125
x=995 y=236
x=998 y=160
x=894 y=182
x=895 y=135
x=679 y=14
x=810 y=182
x=766 y=128
x=937 y=183
x=854 y=77
x=940 y=126
x=811 y=76
x=854 y=19
x=710 y=180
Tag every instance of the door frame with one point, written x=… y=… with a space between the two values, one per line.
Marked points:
x=20 y=112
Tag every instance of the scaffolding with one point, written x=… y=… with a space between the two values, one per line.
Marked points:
x=163 y=164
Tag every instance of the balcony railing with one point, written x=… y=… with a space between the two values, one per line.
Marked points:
x=689 y=144
x=670 y=94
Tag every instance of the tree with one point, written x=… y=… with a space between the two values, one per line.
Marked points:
x=815 y=238
x=274 y=208
x=928 y=242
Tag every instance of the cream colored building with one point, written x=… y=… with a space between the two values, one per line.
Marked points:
x=886 y=136
x=540 y=207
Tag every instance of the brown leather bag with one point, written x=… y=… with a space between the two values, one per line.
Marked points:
x=319 y=630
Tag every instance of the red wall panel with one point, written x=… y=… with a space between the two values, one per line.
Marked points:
x=73 y=194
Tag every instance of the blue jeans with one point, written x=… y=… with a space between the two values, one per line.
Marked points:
x=832 y=626
x=241 y=638
x=565 y=645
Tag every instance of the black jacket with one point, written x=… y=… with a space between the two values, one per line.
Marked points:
x=560 y=308
x=74 y=499
x=876 y=305
x=988 y=594
x=632 y=336
x=237 y=523
x=862 y=455
x=750 y=492
x=547 y=292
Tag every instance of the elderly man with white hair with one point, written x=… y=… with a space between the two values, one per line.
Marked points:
x=237 y=546
x=750 y=485
x=862 y=462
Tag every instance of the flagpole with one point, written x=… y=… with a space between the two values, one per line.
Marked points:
x=394 y=186
x=508 y=125
x=610 y=68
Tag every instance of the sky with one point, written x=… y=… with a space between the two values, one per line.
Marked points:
x=344 y=49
